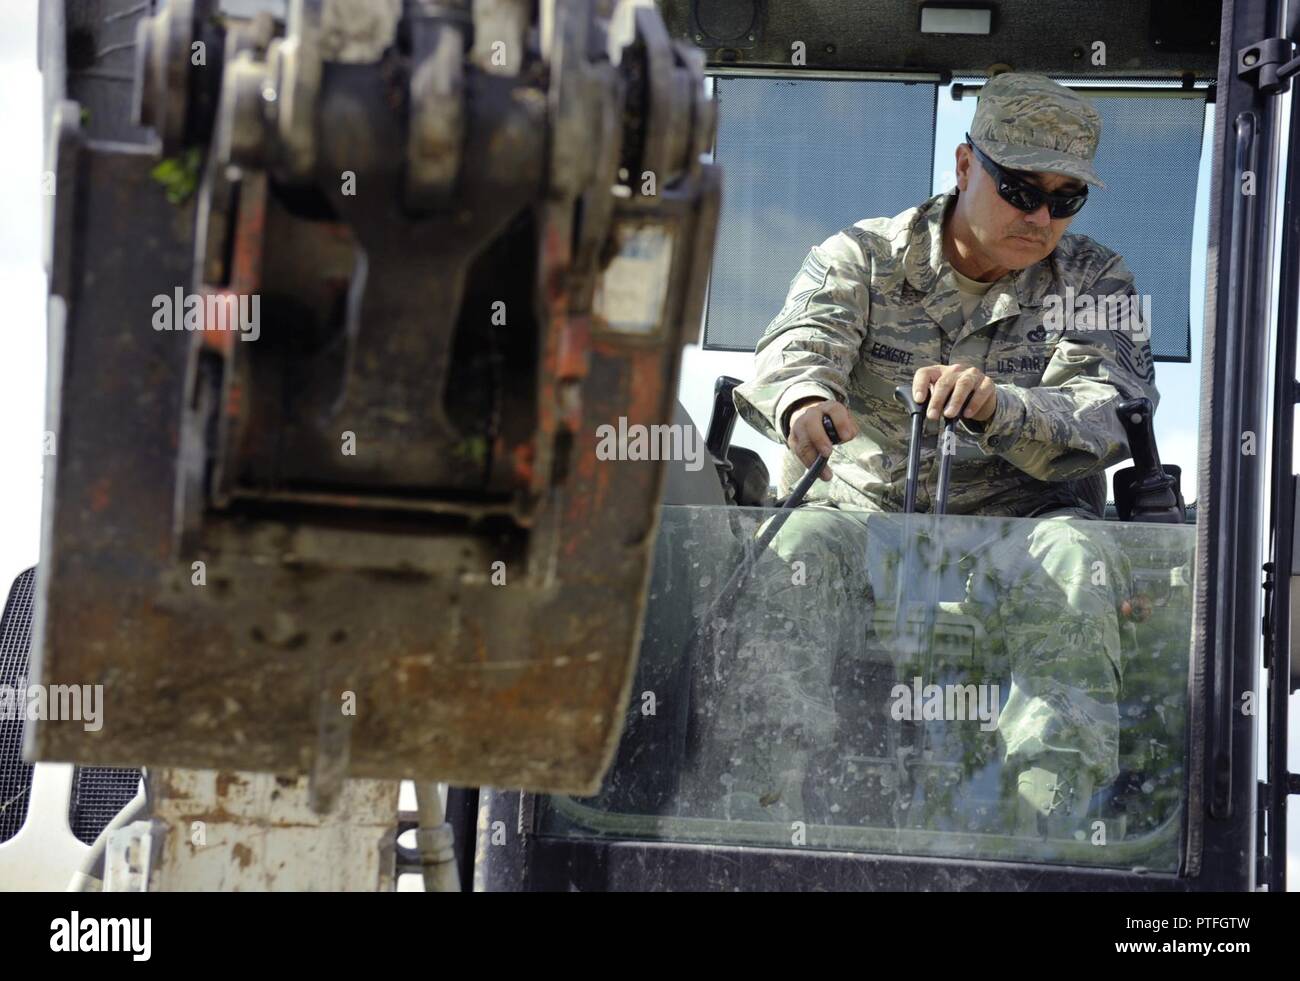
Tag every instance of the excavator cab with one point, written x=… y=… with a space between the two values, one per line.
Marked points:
x=385 y=340
x=876 y=799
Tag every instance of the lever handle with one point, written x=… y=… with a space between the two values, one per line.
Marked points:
x=1136 y=416
x=903 y=393
x=812 y=473
x=830 y=429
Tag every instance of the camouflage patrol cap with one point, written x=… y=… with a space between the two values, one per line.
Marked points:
x=1029 y=122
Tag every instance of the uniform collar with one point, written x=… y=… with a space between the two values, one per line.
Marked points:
x=924 y=264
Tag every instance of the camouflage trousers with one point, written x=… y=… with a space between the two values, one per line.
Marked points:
x=836 y=585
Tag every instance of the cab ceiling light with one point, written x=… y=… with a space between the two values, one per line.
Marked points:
x=956 y=20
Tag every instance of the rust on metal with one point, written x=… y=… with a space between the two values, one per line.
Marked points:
x=463 y=582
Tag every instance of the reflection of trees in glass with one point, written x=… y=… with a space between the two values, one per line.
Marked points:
x=1151 y=707
x=855 y=781
x=1153 y=703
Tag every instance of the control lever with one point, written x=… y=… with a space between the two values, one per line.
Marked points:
x=725 y=603
x=1146 y=491
x=787 y=508
x=947 y=440
x=916 y=410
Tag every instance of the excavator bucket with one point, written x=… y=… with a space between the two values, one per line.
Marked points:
x=329 y=360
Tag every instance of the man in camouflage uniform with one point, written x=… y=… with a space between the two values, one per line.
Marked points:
x=962 y=299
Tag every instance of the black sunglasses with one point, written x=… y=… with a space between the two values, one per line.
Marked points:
x=1025 y=196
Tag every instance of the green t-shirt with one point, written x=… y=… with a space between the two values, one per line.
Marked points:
x=971 y=290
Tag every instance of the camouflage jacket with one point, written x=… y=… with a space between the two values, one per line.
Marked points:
x=875 y=302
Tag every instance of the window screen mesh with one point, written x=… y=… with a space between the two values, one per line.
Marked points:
x=15 y=646
x=803 y=159
x=1149 y=157
x=98 y=793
